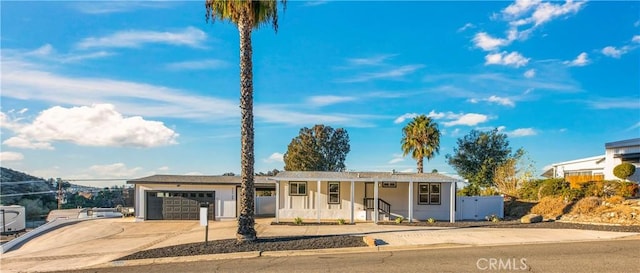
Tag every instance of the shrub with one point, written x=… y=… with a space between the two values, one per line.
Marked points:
x=552 y=187
x=492 y=218
x=399 y=219
x=529 y=189
x=624 y=170
x=550 y=207
x=341 y=221
x=573 y=194
x=586 y=206
x=593 y=188
x=431 y=220
x=619 y=188
x=297 y=221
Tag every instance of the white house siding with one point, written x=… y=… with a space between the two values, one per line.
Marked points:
x=592 y=165
x=612 y=161
x=225 y=196
x=306 y=207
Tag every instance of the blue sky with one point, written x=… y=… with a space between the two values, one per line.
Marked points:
x=129 y=89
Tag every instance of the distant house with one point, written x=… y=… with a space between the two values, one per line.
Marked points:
x=599 y=167
x=364 y=196
x=624 y=151
x=178 y=197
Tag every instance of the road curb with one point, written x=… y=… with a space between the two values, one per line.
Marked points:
x=181 y=259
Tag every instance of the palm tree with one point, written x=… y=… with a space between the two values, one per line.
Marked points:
x=421 y=138
x=246 y=15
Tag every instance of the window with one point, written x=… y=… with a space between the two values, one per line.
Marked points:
x=389 y=184
x=429 y=193
x=297 y=188
x=334 y=193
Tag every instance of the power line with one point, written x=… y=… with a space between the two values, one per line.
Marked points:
x=28 y=193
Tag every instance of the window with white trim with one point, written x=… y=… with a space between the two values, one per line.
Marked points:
x=429 y=193
x=389 y=184
x=297 y=188
x=334 y=193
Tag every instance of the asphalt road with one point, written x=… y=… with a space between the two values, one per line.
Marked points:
x=600 y=256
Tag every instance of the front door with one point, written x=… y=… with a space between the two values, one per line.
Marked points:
x=368 y=189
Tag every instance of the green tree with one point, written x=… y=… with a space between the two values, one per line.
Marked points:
x=421 y=138
x=246 y=15
x=320 y=148
x=477 y=156
x=624 y=170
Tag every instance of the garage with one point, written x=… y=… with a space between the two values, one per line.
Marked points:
x=178 y=205
x=178 y=197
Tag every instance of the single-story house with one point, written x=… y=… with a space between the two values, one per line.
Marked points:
x=178 y=197
x=600 y=167
x=364 y=196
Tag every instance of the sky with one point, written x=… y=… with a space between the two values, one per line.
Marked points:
x=122 y=90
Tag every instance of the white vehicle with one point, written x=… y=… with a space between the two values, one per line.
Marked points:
x=12 y=219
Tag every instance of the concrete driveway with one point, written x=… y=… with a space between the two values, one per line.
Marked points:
x=98 y=242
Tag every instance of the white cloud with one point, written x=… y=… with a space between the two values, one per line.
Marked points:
x=25 y=80
x=520 y=132
x=530 y=73
x=396 y=159
x=328 y=100
x=23 y=110
x=98 y=125
x=614 y=103
x=581 y=60
x=197 y=65
x=404 y=117
x=105 y=7
x=519 y=7
x=613 y=52
x=546 y=12
x=189 y=36
x=47 y=52
x=21 y=142
x=393 y=73
x=636 y=39
x=466 y=26
x=501 y=101
x=275 y=157
x=472 y=100
x=512 y=59
x=371 y=61
x=163 y=168
x=488 y=43
x=11 y=156
x=470 y=119
x=315 y=3
x=44 y=50
x=114 y=170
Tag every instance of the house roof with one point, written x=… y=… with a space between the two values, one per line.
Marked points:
x=363 y=176
x=198 y=179
x=623 y=143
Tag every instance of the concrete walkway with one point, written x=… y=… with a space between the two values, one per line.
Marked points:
x=98 y=242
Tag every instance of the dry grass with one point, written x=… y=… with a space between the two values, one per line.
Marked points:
x=615 y=200
x=586 y=206
x=551 y=207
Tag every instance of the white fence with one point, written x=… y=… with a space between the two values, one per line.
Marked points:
x=478 y=207
x=265 y=205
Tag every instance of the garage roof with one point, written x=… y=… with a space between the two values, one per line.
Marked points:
x=199 y=179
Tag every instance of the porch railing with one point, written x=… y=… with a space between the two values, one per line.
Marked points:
x=383 y=206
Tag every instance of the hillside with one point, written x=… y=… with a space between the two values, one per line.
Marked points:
x=37 y=194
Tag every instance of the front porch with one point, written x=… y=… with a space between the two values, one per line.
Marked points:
x=352 y=197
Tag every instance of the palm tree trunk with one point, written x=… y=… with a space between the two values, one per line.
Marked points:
x=246 y=231
x=421 y=165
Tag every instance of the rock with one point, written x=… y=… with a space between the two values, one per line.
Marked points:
x=531 y=218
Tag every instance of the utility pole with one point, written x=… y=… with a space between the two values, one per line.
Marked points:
x=59 y=193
